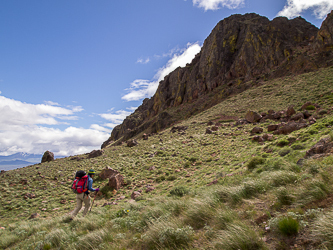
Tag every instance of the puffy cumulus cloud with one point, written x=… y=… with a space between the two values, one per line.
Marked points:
x=115 y=118
x=33 y=128
x=294 y=8
x=38 y=139
x=19 y=113
x=140 y=89
x=216 y=4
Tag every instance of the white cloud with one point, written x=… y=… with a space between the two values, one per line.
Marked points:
x=140 y=88
x=32 y=128
x=51 y=103
x=100 y=128
x=116 y=118
x=143 y=61
x=294 y=8
x=216 y=4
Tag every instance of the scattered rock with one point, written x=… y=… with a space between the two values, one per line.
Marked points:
x=29 y=196
x=272 y=127
x=209 y=131
x=149 y=189
x=47 y=157
x=135 y=195
x=297 y=117
x=267 y=137
x=291 y=111
x=132 y=143
x=95 y=153
x=256 y=130
x=212 y=183
x=178 y=129
x=109 y=203
x=145 y=137
x=215 y=128
x=24 y=182
x=324 y=146
x=151 y=168
x=34 y=216
x=252 y=116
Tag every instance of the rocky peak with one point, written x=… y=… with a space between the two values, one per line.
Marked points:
x=240 y=51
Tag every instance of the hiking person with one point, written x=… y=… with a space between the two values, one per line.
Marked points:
x=81 y=186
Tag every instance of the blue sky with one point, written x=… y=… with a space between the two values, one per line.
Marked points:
x=72 y=70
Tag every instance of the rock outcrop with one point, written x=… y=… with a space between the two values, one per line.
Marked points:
x=48 y=156
x=241 y=51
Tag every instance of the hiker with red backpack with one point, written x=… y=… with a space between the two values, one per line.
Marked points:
x=81 y=186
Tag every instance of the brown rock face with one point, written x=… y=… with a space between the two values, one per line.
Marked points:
x=95 y=153
x=107 y=173
x=324 y=146
x=239 y=49
x=116 y=181
x=252 y=116
x=48 y=156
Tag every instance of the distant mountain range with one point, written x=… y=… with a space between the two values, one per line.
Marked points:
x=19 y=160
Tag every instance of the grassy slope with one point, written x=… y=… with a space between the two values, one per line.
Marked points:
x=222 y=215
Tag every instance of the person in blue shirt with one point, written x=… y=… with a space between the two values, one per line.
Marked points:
x=84 y=197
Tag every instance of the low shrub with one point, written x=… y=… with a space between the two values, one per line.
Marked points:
x=179 y=191
x=282 y=143
x=254 y=162
x=297 y=146
x=284 y=152
x=288 y=226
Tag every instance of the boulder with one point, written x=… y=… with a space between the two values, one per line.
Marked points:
x=107 y=173
x=256 y=130
x=297 y=117
x=324 y=146
x=116 y=181
x=291 y=111
x=24 y=182
x=47 y=156
x=306 y=114
x=267 y=137
x=252 y=117
x=132 y=143
x=135 y=195
x=272 y=127
x=145 y=137
x=215 y=128
x=208 y=131
x=34 y=216
x=149 y=189
x=95 y=153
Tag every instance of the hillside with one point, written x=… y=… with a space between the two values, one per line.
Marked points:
x=219 y=190
x=241 y=52
x=234 y=151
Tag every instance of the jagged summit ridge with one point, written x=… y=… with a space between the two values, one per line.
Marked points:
x=241 y=51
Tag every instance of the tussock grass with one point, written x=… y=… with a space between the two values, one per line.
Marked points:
x=238 y=236
x=323 y=229
x=167 y=234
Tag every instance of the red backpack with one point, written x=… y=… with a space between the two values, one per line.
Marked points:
x=80 y=184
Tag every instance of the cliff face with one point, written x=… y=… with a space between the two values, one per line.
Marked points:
x=239 y=49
